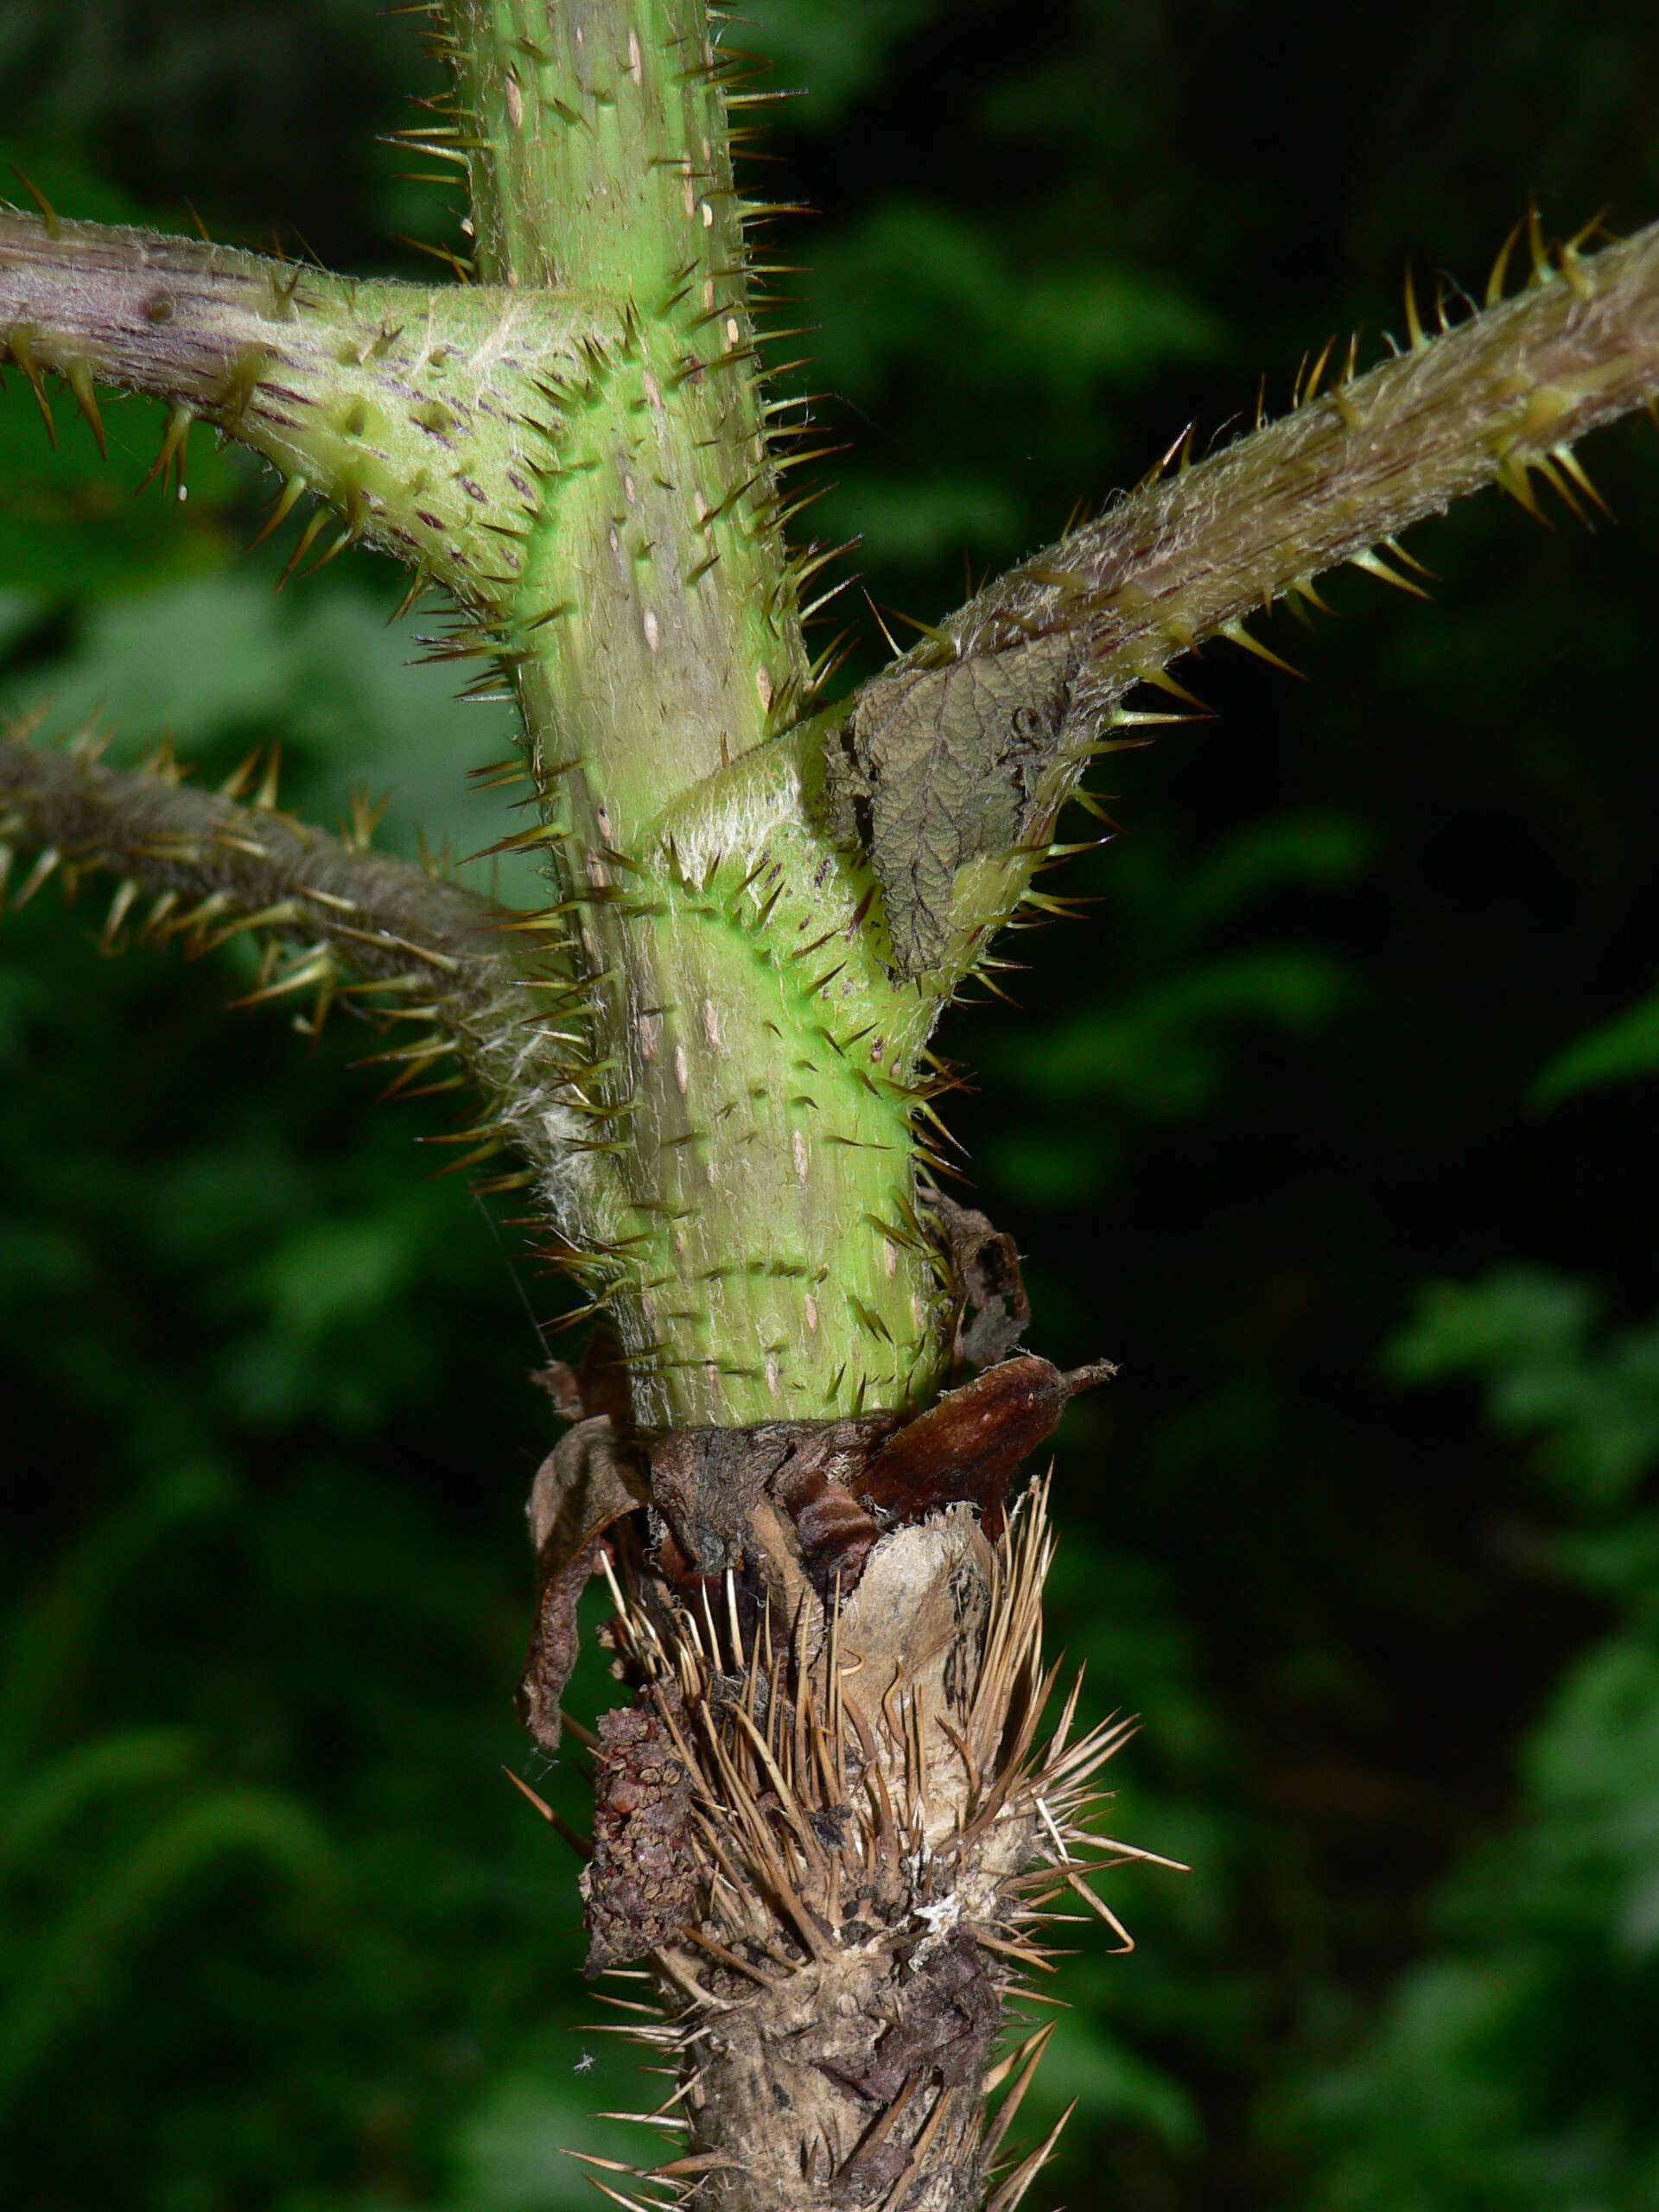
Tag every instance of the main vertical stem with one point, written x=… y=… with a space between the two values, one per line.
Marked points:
x=740 y=1058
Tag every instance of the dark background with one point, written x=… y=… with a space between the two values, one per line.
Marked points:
x=1332 y=1122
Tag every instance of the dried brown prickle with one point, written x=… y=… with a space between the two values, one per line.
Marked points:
x=840 y=1882
x=785 y=1507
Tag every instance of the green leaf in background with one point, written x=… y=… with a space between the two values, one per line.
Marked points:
x=835 y=53
x=221 y=663
x=1513 y=2068
x=1165 y=1053
x=1530 y=1339
x=1622 y=1051
x=922 y=274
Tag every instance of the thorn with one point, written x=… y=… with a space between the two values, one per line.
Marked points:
x=78 y=377
x=126 y=892
x=41 y=872
x=894 y=646
x=1131 y=718
x=579 y=1844
x=1553 y=477
x=265 y=796
x=1318 y=368
x=1238 y=635
x=1414 y=321
x=1596 y=226
x=1408 y=561
x=1182 y=436
x=1501 y=266
x=1161 y=680
x=174 y=440
x=48 y=214
x=1512 y=478
x=308 y=537
x=287 y=499
x=239 y=387
x=1374 y=565
x=461 y=270
x=1013 y=2189
x=1564 y=457
x=1305 y=590
x=240 y=777
x=418 y=583
x=23 y=354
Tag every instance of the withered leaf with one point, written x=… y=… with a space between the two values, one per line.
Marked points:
x=987 y=1289
x=938 y=766
x=969 y=1443
x=585 y=1485
x=706 y=1484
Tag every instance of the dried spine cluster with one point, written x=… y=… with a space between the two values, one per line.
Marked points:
x=836 y=1835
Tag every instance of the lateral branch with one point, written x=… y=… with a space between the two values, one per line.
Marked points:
x=440 y=963
x=221 y=866
x=422 y=417
x=963 y=751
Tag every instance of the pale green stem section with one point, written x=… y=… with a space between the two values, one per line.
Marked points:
x=736 y=1047
x=400 y=406
x=660 y=600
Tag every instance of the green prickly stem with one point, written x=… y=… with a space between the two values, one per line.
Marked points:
x=772 y=1170
x=398 y=405
x=758 y=1148
x=1199 y=549
x=755 y=919
x=597 y=149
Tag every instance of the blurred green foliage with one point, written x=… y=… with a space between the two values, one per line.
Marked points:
x=1332 y=1122
x=1513 y=2065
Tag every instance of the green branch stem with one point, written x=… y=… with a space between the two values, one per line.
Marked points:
x=660 y=606
x=402 y=407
